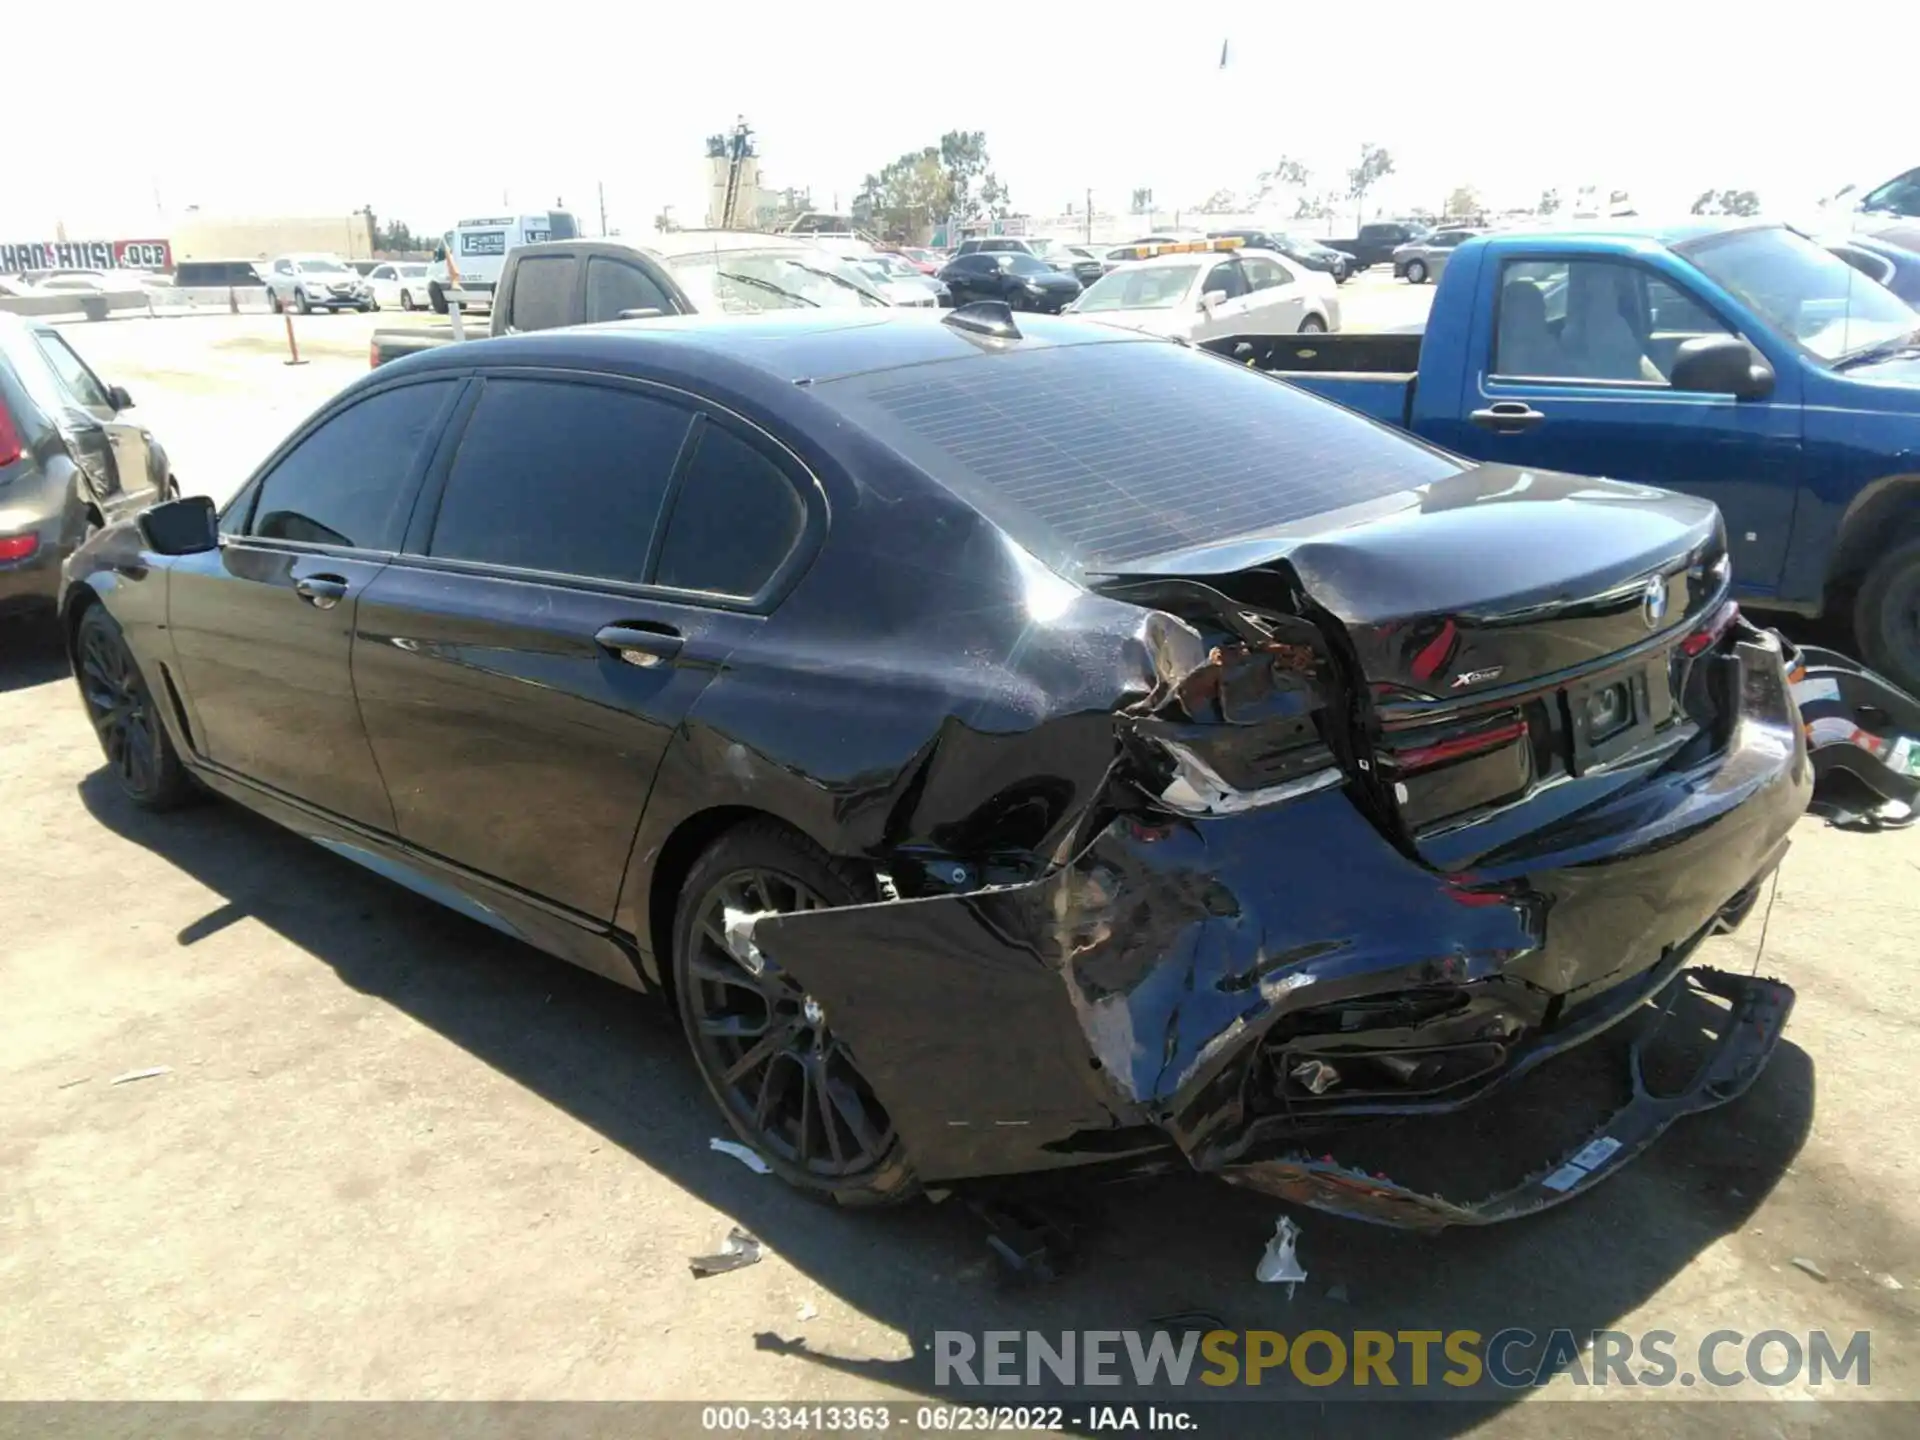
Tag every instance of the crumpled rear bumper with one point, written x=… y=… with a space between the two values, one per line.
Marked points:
x=1168 y=982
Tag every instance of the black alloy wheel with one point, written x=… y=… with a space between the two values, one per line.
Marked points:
x=790 y=1087
x=139 y=753
x=1886 y=615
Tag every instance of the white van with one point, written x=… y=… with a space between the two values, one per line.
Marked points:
x=479 y=250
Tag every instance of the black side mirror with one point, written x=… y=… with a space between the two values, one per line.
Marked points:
x=181 y=527
x=118 y=398
x=1722 y=365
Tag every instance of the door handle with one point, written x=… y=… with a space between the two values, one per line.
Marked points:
x=323 y=592
x=639 y=642
x=1507 y=417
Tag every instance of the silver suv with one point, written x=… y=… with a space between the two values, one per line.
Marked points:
x=316 y=282
x=69 y=463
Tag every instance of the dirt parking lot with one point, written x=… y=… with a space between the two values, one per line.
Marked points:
x=393 y=1155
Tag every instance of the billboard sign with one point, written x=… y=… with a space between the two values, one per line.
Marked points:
x=85 y=255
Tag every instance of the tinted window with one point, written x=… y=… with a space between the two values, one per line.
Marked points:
x=346 y=483
x=560 y=477
x=542 y=292
x=1264 y=274
x=1226 y=278
x=737 y=516
x=614 y=285
x=974 y=264
x=1097 y=454
x=74 y=375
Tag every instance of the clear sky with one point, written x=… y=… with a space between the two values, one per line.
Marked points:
x=319 y=109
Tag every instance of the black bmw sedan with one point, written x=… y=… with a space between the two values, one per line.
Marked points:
x=1019 y=281
x=1010 y=742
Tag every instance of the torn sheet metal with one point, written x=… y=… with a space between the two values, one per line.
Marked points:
x=1759 y=1014
x=740 y=1249
x=1279 y=1264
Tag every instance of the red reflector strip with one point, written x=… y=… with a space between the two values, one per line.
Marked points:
x=18 y=547
x=1708 y=635
x=1441 y=751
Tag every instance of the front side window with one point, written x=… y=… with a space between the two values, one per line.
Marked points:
x=346 y=484
x=1264 y=274
x=1593 y=320
x=560 y=477
x=1810 y=295
x=735 y=518
x=1226 y=279
x=1141 y=287
x=613 y=286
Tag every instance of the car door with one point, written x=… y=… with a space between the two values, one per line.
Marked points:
x=1590 y=396
x=524 y=665
x=380 y=280
x=263 y=626
x=1228 y=314
x=966 y=278
x=1276 y=299
x=131 y=478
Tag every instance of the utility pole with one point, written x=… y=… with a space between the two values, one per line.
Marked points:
x=1089 y=216
x=601 y=185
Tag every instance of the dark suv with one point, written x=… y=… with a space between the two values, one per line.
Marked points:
x=68 y=463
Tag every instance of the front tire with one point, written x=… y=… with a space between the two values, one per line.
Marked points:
x=788 y=1086
x=139 y=751
x=305 y=305
x=436 y=299
x=1886 y=615
x=1313 y=325
x=1416 y=272
x=406 y=300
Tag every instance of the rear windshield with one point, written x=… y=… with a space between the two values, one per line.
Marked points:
x=1094 y=455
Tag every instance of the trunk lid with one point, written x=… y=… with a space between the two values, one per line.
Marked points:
x=1491 y=632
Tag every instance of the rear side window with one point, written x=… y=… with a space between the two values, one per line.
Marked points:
x=1092 y=455
x=614 y=286
x=346 y=483
x=735 y=518
x=542 y=292
x=560 y=477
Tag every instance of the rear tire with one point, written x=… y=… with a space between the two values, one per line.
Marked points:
x=132 y=735
x=834 y=1141
x=406 y=300
x=1886 y=615
x=436 y=299
x=1313 y=325
x=1416 y=272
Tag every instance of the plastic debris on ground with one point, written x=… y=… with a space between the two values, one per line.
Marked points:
x=1800 y=1262
x=148 y=1074
x=807 y=1311
x=739 y=1250
x=1278 y=1263
x=741 y=1153
x=1887 y=1282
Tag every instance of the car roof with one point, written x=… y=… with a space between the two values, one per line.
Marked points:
x=790 y=347
x=698 y=242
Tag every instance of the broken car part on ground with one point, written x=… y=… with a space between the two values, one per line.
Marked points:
x=1092 y=750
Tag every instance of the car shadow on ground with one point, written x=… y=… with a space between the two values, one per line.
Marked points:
x=31 y=651
x=1172 y=1245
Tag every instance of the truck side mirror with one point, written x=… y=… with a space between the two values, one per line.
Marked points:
x=1722 y=365
x=181 y=527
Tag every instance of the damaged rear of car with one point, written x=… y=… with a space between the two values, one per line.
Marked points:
x=1265 y=774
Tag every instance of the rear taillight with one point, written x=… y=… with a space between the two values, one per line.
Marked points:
x=1709 y=633
x=10 y=447
x=373 y=354
x=18 y=547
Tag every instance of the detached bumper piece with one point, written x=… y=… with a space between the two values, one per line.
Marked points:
x=1863 y=738
x=1758 y=1010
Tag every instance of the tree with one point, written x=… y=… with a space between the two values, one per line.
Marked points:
x=664 y=223
x=963 y=162
x=1142 y=201
x=1375 y=165
x=1727 y=202
x=1462 y=204
x=1549 y=203
x=1286 y=174
x=994 y=198
x=1221 y=202
x=1320 y=207
x=396 y=235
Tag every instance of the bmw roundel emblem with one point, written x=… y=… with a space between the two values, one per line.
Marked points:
x=1653 y=603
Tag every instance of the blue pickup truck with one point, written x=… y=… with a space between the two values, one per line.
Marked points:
x=1736 y=361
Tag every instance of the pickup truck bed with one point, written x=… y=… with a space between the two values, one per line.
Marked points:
x=1373 y=374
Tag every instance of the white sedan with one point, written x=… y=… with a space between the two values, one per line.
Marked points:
x=400 y=284
x=1203 y=294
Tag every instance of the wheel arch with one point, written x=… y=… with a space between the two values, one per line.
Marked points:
x=1884 y=514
